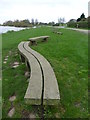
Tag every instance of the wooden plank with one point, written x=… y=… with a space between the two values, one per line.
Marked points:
x=36 y=38
x=51 y=90
x=34 y=91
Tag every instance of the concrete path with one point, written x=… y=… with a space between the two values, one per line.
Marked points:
x=76 y=29
x=80 y=30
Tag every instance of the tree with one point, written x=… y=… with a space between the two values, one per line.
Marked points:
x=72 y=20
x=16 y=23
x=51 y=23
x=79 y=19
x=36 y=21
x=26 y=21
x=61 y=20
x=82 y=16
x=32 y=21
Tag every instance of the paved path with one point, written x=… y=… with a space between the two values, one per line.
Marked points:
x=80 y=30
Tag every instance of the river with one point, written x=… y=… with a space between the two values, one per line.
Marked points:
x=4 y=29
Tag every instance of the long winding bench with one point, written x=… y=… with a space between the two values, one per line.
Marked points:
x=34 y=90
x=42 y=78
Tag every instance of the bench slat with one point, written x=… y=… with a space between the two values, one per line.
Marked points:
x=51 y=91
x=34 y=90
x=36 y=38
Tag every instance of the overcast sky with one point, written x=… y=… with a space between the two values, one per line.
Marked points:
x=43 y=10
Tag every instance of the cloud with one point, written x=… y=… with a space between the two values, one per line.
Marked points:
x=44 y=10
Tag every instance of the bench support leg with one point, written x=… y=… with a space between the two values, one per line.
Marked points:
x=33 y=43
x=28 y=66
x=22 y=58
x=45 y=39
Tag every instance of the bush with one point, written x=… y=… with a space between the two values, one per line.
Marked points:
x=72 y=24
x=80 y=24
x=83 y=24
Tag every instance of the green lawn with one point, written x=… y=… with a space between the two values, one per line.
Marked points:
x=68 y=55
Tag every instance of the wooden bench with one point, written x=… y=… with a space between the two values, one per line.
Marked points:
x=43 y=87
x=57 y=32
x=51 y=95
x=33 y=41
x=34 y=90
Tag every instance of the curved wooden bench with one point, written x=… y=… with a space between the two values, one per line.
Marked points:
x=51 y=94
x=34 y=91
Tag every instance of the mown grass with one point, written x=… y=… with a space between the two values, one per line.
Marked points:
x=68 y=55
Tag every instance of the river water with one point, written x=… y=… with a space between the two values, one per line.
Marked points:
x=4 y=29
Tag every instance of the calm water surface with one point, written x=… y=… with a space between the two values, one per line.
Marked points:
x=4 y=29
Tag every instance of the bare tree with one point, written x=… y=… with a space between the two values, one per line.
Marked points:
x=61 y=20
x=32 y=21
x=36 y=21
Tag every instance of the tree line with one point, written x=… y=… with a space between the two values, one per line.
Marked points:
x=34 y=22
x=21 y=23
x=81 y=22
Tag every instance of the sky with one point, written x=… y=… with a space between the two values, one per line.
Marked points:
x=43 y=10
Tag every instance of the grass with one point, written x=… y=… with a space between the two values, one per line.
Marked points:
x=68 y=55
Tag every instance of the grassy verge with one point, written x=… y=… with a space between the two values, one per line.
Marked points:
x=68 y=55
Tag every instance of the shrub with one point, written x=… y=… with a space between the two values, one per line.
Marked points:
x=83 y=24
x=72 y=24
x=80 y=24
